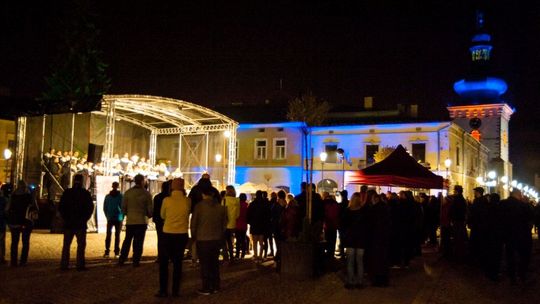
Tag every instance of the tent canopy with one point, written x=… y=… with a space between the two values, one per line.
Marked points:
x=399 y=169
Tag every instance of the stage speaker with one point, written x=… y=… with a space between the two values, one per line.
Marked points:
x=94 y=153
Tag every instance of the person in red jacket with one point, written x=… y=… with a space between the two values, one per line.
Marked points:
x=241 y=227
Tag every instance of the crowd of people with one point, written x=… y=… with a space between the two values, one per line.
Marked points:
x=372 y=232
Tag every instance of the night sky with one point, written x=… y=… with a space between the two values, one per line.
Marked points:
x=215 y=54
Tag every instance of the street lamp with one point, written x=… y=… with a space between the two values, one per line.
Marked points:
x=218 y=158
x=323 y=156
x=492 y=174
x=7 y=157
x=447 y=164
x=341 y=153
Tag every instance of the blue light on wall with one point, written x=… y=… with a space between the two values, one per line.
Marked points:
x=487 y=86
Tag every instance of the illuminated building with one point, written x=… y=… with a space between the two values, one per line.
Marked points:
x=481 y=110
x=431 y=143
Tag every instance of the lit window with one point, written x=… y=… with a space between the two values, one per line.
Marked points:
x=260 y=148
x=280 y=148
x=370 y=153
x=419 y=152
x=331 y=151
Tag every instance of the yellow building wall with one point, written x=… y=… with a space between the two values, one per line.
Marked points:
x=7 y=136
x=246 y=146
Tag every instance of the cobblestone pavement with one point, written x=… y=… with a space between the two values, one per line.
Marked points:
x=428 y=280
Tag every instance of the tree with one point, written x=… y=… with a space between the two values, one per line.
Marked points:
x=383 y=153
x=78 y=74
x=312 y=112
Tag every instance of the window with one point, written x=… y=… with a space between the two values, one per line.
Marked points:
x=419 y=152
x=331 y=151
x=280 y=148
x=260 y=148
x=457 y=156
x=370 y=153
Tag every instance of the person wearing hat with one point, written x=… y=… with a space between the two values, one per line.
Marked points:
x=175 y=214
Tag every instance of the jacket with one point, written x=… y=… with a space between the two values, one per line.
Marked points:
x=233 y=210
x=137 y=206
x=175 y=213
x=241 y=221
x=17 y=206
x=209 y=221
x=357 y=228
x=113 y=206
x=76 y=207
x=258 y=217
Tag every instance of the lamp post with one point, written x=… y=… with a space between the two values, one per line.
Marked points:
x=492 y=175
x=323 y=156
x=7 y=157
x=341 y=153
x=218 y=158
x=447 y=164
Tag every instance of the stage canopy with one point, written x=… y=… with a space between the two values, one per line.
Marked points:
x=399 y=169
x=185 y=136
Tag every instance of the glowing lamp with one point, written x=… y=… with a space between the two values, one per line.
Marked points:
x=492 y=174
x=520 y=186
x=218 y=157
x=323 y=156
x=447 y=162
x=7 y=154
x=227 y=134
x=514 y=183
x=504 y=179
x=480 y=180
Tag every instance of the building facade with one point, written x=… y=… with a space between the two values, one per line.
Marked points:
x=273 y=153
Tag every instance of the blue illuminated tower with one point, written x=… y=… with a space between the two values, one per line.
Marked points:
x=481 y=109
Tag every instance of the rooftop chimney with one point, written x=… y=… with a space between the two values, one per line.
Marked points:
x=368 y=103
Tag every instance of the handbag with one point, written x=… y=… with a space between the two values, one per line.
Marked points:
x=32 y=213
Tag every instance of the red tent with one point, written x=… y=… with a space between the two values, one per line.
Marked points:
x=399 y=169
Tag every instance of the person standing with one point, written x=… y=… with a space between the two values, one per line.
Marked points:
x=113 y=211
x=76 y=208
x=20 y=203
x=3 y=205
x=158 y=221
x=258 y=217
x=478 y=223
x=517 y=217
x=458 y=217
x=241 y=228
x=208 y=226
x=175 y=212
x=331 y=223
x=356 y=226
x=137 y=206
x=232 y=203
x=378 y=258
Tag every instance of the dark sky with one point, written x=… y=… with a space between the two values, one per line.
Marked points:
x=408 y=51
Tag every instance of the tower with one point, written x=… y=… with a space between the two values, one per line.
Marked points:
x=481 y=109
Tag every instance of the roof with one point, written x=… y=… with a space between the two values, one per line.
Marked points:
x=398 y=169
